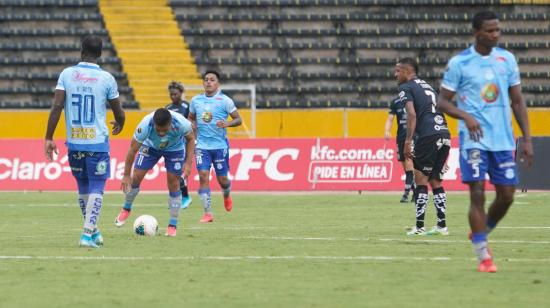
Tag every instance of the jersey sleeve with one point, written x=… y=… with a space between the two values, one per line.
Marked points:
x=405 y=93
x=229 y=105
x=513 y=72
x=392 y=110
x=186 y=127
x=112 y=88
x=61 y=81
x=452 y=76
x=192 y=107
x=142 y=130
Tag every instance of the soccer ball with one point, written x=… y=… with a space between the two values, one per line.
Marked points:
x=146 y=225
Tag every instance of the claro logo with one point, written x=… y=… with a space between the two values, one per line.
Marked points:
x=15 y=169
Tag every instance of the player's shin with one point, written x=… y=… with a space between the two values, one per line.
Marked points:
x=183 y=188
x=421 y=202
x=204 y=194
x=129 y=198
x=226 y=190
x=440 y=202
x=82 y=201
x=174 y=203
x=93 y=210
x=409 y=180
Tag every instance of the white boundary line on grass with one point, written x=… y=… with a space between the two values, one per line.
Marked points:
x=416 y=240
x=256 y=258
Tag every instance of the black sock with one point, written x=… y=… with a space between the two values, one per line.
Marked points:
x=440 y=202
x=421 y=202
x=183 y=188
x=409 y=181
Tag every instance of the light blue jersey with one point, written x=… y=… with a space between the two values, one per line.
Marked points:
x=208 y=110
x=174 y=140
x=87 y=89
x=481 y=84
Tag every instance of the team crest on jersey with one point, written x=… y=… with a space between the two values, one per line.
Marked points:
x=438 y=119
x=101 y=168
x=163 y=144
x=207 y=116
x=401 y=94
x=489 y=93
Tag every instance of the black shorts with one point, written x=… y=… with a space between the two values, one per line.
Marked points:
x=430 y=155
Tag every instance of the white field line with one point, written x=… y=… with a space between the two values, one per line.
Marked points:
x=418 y=240
x=260 y=258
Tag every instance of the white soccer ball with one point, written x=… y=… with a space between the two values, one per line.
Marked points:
x=146 y=225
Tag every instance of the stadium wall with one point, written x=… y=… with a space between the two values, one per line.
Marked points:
x=284 y=123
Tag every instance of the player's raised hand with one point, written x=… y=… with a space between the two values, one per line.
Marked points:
x=476 y=133
x=526 y=152
x=49 y=149
x=221 y=124
x=126 y=184
x=116 y=128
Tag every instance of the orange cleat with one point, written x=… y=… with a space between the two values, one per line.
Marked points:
x=207 y=217
x=171 y=231
x=228 y=204
x=487 y=266
x=120 y=220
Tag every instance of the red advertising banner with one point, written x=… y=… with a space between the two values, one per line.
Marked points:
x=256 y=165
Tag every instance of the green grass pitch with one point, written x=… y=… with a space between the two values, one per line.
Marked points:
x=273 y=250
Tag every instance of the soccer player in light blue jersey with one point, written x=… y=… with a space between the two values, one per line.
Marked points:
x=485 y=78
x=162 y=133
x=209 y=111
x=84 y=91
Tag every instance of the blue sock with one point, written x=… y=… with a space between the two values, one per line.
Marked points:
x=175 y=205
x=204 y=194
x=490 y=224
x=479 y=241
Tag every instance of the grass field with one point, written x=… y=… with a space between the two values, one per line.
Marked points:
x=280 y=250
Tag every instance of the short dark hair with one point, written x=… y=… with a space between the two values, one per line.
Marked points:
x=482 y=16
x=92 y=45
x=211 y=72
x=162 y=117
x=176 y=85
x=410 y=62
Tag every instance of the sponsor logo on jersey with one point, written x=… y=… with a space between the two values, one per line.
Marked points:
x=101 y=168
x=207 y=116
x=81 y=77
x=489 y=93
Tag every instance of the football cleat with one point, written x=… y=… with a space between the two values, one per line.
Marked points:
x=207 y=217
x=185 y=202
x=97 y=238
x=404 y=199
x=487 y=266
x=87 y=242
x=436 y=230
x=417 y=231
x=120 y=220
x=228 y=204
x=171 y=231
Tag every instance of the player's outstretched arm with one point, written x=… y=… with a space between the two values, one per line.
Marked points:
x=126 y=184
x=411 y=127
x=53 y=119
x=444 y=104
x=520 y=113
x=119 y=115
